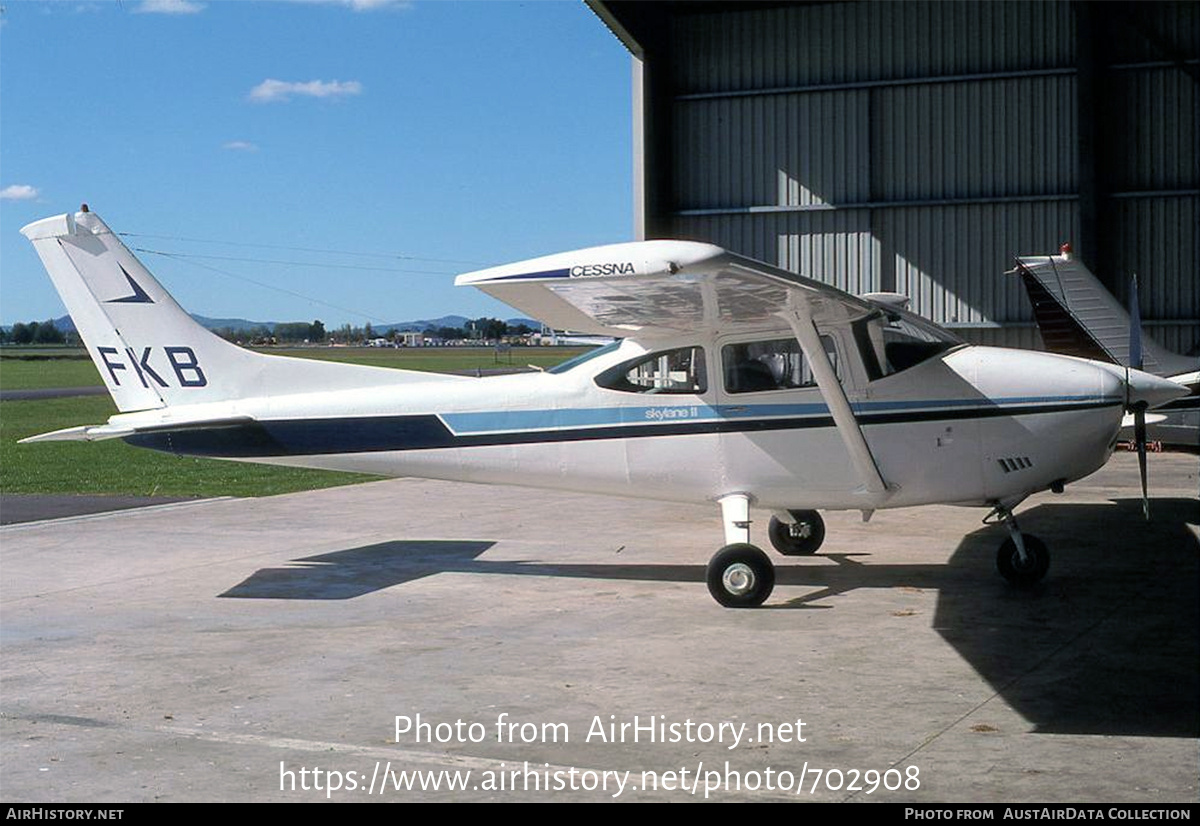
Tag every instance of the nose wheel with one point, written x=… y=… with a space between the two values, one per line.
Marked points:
x=1022 y=559
x=740 y=576
x=1023 y=572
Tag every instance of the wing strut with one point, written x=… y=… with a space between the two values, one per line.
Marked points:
x=799 y=318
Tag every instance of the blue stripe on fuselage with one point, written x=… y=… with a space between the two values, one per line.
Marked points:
x=370 y=434
x=509 y=421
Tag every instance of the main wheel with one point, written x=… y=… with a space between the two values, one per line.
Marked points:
x=1023 y=574
x=802 y=538
x=740 y=576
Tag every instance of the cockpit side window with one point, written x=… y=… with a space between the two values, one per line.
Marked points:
x=681 y=370
x=773 y=364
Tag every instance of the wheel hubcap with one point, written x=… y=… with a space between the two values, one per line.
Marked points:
x=738 y=579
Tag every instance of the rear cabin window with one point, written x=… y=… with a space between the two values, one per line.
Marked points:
x=670 y=371
x=774 y=364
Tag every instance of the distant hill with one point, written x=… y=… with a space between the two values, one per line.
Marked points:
x=447 y=321
x=423 y=324
x=236 y=324
x=64 y=324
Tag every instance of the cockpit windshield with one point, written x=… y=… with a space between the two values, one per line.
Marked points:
x=894 y=340
x=572 y=363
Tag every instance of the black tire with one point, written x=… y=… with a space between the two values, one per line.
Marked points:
x=784 y=538
x=740 y=576
x=1027 y=573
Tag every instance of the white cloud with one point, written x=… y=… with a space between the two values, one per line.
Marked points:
x=371 y=5
x=169 y=7
x=19 y=192
x=362 y=5
x=240 y=146
x=271 y=90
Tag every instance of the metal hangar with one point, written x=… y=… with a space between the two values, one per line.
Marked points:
x=917 y=146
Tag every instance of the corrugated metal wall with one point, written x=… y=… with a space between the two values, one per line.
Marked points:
x=919 y=146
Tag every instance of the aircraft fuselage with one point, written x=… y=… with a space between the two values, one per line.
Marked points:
x=972 y=425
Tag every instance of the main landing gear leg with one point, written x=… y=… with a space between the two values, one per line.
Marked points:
x=739 y=575
x=1022 y=559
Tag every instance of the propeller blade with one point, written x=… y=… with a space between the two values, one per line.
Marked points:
x=1135 y=327
x=1139 y=435
x=1138 y=409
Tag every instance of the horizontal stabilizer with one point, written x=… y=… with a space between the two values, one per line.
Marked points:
x=84 y=433
x=100 y=432
x=1128 y=420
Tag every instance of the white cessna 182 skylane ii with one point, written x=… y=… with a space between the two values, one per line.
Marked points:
x=736 y=383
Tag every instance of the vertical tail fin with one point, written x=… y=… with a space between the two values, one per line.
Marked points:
x=149 y=351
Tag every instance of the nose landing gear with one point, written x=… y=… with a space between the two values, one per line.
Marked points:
x=1022 y=559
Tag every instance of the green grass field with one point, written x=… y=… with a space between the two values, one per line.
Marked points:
x=37 y=370
x=113 y=467
x=437 y=359
x=29 y=368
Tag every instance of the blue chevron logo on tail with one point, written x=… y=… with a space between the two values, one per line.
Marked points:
x=138 y=296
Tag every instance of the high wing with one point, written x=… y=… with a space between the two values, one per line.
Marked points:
x=660 y=288
x=663 y=288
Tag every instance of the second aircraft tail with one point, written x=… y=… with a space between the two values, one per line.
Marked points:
x=1077 y=316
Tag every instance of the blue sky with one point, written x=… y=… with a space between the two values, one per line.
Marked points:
x=462 y=134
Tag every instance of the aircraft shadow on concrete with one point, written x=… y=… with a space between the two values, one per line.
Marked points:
x=355 y=572
x=358 y=571
x=1109 y=643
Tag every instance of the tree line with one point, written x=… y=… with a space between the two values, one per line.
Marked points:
x=35 y=332
x=485 y=329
